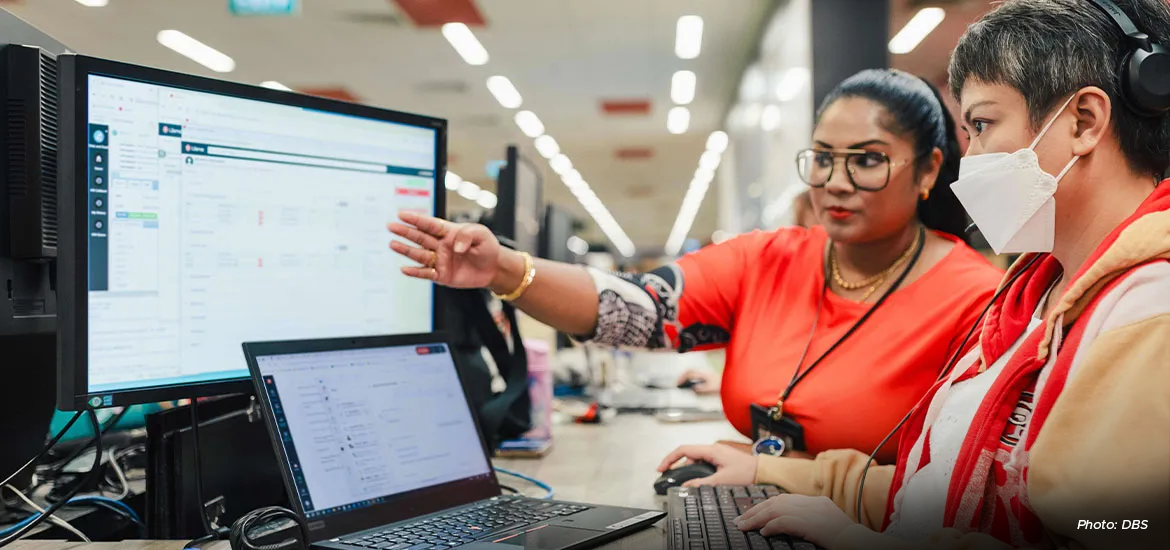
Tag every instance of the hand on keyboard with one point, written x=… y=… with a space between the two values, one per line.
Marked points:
x=704 y=519
x=733 y=467
x=815 y=519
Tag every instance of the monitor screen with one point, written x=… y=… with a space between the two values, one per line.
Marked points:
x=520 y=210
x=361 y=426
x=213 y=219
x=559 y=227
x=529 y=210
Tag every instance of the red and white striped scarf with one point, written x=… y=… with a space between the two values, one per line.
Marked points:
x=988 y=489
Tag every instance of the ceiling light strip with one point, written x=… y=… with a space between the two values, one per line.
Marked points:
x=688 y=39
x=465 y=43
x=916 y=30
x=717 y=144
x=196 y=51
x=678 y=120
x=682 y=87
x=504 y=92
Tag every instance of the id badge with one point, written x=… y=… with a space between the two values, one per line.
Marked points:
x=774 y=437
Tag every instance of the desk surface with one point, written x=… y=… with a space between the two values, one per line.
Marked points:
x=611 y=463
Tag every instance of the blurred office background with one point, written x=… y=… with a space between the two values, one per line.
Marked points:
x=658 y=125
x=655 y=127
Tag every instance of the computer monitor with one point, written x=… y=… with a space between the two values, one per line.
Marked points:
x=28 y=93
x=519 y=210
x=558 y=227
x=199 y=214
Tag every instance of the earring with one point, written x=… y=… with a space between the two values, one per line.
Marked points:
x=925 y=194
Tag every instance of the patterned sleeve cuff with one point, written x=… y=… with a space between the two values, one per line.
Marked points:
x=628 y=314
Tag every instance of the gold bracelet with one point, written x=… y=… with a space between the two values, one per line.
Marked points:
x=529 y=276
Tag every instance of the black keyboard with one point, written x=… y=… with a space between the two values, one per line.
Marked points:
x=464 y=526
x=701 y=519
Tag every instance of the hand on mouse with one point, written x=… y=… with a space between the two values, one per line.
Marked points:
x=733 y=467
x=708 y=382
x=815 y=519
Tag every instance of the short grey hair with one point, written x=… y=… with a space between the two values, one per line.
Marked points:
x=1049 y=49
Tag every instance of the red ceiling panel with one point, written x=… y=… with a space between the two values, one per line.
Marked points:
x=634 y=153
x=434 y=13
x=626 y=107
x=332 y=93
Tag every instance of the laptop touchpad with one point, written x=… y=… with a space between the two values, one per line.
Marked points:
x=549 y=537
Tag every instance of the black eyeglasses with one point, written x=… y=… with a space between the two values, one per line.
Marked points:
x=867 y=170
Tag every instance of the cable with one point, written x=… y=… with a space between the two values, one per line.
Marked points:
x=19 y=524
x=121 y=476
x=531 y=480
x=109 y=425
x=17 y=533
x=56 y=520
x=64 y=462
x=945 y=372
x=138 y=448
x=509 y=489
x=116 y=506
x=199 y=542
x=214 y=533
x=207 y=527
x=47 y=448
x=240 y=539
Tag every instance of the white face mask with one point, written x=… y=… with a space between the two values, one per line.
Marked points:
x=1010 y=197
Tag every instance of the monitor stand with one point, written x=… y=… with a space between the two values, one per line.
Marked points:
x=28 y=401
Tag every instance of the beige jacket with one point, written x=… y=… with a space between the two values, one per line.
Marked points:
x=1106 y=441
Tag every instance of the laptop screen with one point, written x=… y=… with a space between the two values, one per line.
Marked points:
x=360 y=426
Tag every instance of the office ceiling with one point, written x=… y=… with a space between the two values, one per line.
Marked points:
x=565 y=57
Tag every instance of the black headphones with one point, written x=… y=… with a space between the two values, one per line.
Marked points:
x=1145 y=69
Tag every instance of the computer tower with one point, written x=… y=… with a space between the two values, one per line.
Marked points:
x=237 y=458
x=26 y=404
x=28 y=189
x=28 y=119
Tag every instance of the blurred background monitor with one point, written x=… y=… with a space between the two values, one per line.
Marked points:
x=520 y=210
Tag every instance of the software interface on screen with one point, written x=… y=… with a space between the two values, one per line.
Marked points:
x=360 y=426
x=217 y=220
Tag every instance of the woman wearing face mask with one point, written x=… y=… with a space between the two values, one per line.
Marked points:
x=1060 y=419
x=857 y=315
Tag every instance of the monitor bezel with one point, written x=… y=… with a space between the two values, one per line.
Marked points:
x=73 y=273
x=402 y=506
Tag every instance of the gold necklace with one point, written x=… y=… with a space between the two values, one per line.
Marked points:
x=875 y=281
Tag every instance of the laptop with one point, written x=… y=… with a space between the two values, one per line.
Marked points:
x=379 y=448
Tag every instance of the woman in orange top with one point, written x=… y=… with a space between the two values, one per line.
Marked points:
x=884 y=154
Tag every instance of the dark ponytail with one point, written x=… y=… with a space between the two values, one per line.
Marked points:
x=916 y=110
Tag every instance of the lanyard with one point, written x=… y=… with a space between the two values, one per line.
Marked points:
x=777 y=412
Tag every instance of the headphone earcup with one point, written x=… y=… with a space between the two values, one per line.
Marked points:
x=1146 y=79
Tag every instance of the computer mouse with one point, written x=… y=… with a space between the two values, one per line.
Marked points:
x=677 y=476
x=690 y=383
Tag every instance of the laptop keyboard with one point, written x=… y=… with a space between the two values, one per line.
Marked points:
x=701 y=519
x=464 y=526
